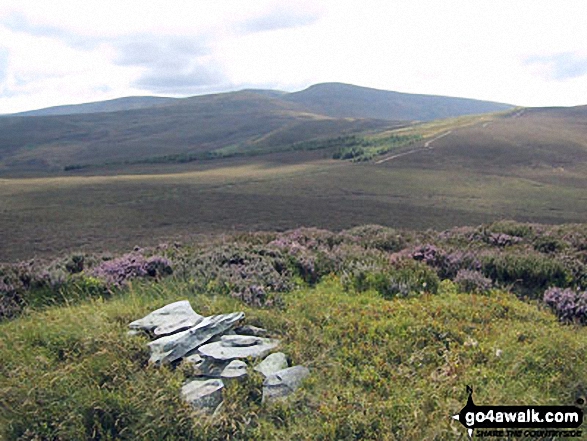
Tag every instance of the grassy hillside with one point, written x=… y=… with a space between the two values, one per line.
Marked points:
x=41 y=216
x=194 y=126
x=392 y=324
x=115 y=105
x=347 y=101
x=526 y=141
x=151 y=129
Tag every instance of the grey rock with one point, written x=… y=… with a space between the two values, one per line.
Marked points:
x=173 y=347
x=206 y=367
x=194 y=359
x=168 y=319
x=205 y=395
x=282 y=383
x=251 y=330
x=272 y=363
x=235 y=346
x=235 y=369
x=219 y=336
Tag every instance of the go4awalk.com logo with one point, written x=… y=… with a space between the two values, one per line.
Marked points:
x=520 y=421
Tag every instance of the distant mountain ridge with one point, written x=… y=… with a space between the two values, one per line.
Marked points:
x=340 y=100
x=131 y=129
x=336 y=100
x=114 y=105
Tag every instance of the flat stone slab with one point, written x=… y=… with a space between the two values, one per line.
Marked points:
x=283 y=383
x=235 y=369
x=205 y=395
x=272 y=363
x=168 y=319
x=238 y=346
x=173 y=347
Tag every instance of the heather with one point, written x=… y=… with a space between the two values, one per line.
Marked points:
x=392 y=324
x=472 y=281
x=117 y=272
x=258 y=268
x=569 y=305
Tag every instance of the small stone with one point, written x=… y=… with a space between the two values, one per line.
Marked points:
x=282 y=383
x=235 y=369
x=272 y=363
x=225 y=349
x=498 y=353
x=204 y=395
x=206 y=367
x=168 y=319
x=251 y=330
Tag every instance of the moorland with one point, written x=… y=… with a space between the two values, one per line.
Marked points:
x=140 y=188
x=399 y=246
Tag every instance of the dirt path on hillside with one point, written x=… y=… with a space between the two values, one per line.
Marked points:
x=427 y=145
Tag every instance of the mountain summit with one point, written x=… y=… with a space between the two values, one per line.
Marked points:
x=347 y=101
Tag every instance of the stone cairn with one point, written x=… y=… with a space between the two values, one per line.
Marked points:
x=216 y=346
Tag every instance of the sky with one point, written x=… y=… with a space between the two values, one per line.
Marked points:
x=522 y=52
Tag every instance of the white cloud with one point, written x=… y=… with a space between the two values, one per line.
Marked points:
x=524 y=52
x=560 y=66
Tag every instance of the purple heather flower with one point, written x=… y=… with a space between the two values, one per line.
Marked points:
x=568 y=305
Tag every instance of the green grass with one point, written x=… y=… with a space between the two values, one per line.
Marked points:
x=380 y=369
x=366 y=149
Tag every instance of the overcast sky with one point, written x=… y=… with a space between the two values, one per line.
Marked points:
x=524 y=52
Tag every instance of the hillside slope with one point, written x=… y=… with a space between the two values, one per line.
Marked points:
x=190 y=126
x=530 y=142
x=347 y=101
x=115 y=105
x=527 y=166
x=149 y=129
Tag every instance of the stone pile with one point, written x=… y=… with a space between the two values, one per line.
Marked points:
x=216 y=348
